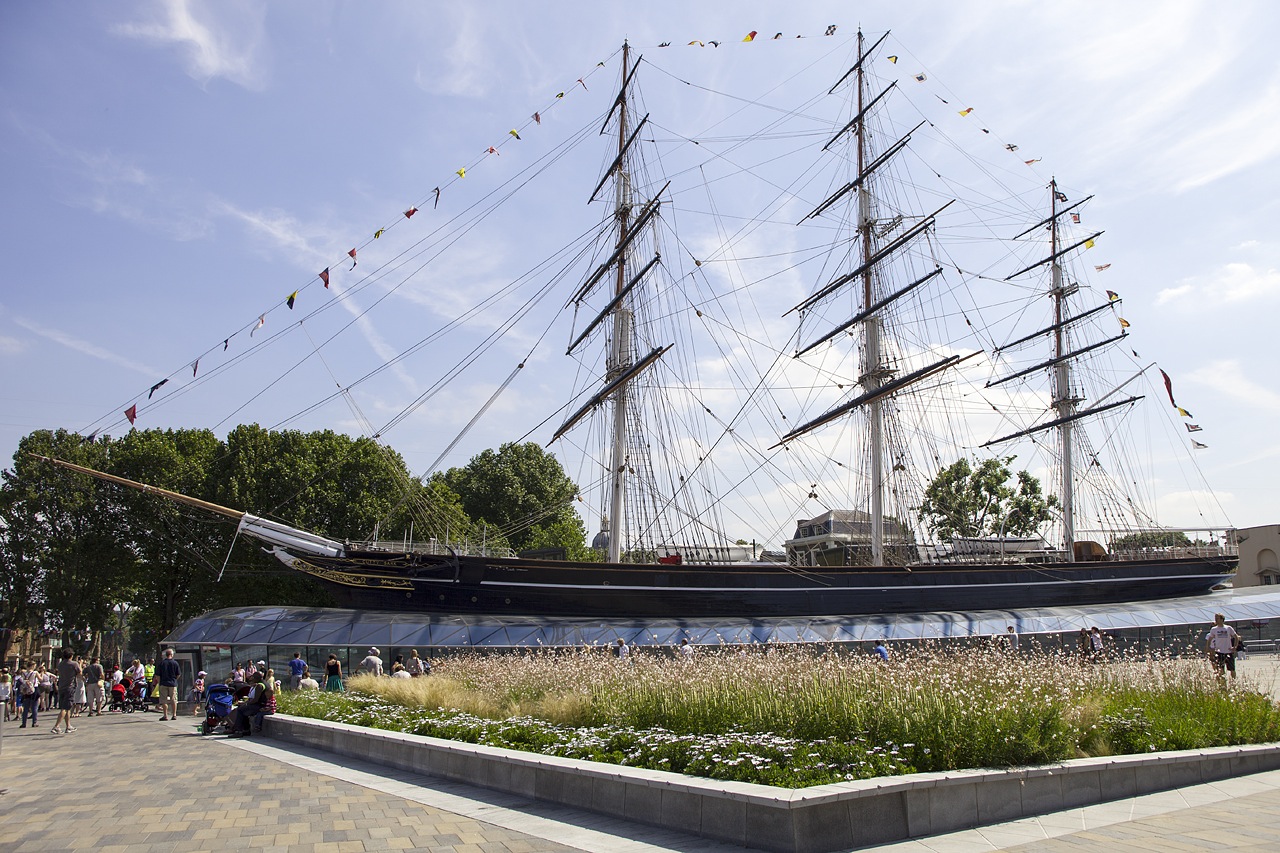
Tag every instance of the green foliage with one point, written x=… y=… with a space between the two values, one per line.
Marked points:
x=66 y=557
x=796 y=716
x=965 y=502
x=522 y=493
x=1150 y=539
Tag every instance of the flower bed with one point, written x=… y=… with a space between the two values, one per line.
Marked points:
x=799 y=716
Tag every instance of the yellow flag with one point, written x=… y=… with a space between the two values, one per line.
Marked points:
x=751 y=36
x=1183 y=412
x=378 y=233
x=1124 y=324
x=1088 y=244
x=461 y=173
x=893 y=59
x=966 y=111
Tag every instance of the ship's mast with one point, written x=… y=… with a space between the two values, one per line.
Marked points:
x=1063 y=401
x=872 y=373
x=621 y=354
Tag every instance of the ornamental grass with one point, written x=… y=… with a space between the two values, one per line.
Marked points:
x=801 y=715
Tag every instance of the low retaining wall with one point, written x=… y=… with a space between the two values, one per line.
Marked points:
x=805 y=820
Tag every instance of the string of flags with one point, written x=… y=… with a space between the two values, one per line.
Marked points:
x=1168 y=387
x=512 y=136
x=749 y=37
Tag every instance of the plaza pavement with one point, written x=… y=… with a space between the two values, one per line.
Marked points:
x=129 y=782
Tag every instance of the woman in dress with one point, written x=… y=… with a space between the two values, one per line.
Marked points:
x=333 y=669
x=80 y=697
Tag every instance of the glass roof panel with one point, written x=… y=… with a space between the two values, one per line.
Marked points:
x=359 y=629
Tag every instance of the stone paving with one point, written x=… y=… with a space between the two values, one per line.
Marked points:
x=130 y=782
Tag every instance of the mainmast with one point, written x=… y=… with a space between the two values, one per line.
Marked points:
x=621 y=353
x=872 y=370
x=1063 y=401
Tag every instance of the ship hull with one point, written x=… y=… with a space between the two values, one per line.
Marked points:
x=493 y=586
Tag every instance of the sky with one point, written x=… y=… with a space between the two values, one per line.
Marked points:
x=174 y=170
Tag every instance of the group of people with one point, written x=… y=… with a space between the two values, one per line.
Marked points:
x=76 y=686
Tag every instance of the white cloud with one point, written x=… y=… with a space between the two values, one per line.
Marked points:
x=214 y=48
x=1234 y=283
x=85 y=347
x=11 y=346
x=1228 y=377
x=289 y=237
x=463 y=69
x=1173 y=294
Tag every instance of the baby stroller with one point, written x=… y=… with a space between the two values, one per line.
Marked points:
x=219 y=700
x=120 y=696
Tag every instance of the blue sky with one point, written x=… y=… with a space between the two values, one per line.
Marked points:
x=173 y=170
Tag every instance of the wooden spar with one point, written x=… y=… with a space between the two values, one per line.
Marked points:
x=143 y=487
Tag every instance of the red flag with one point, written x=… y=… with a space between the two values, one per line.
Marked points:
x=324 y=276
x=493 y=150
x=408 y=214
x=584 y=85
x=1168 y=386
x=131 y=413
x=751 y=36
x=352 y=253
x=537 y=119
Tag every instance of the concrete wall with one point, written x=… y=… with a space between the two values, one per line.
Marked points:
x=807 y=820
x=1259 y=556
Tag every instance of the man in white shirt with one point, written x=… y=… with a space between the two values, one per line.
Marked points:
x=372 y=664
x=1221 y=642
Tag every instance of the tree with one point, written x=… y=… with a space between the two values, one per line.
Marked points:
x=64 y=533
x=178 y=548
x=966 y=502
x=1150 y=539
x=521 y=492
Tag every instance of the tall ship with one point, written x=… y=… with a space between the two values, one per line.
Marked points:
x=898 y=345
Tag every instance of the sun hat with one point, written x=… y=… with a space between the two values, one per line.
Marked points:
x=373 y=650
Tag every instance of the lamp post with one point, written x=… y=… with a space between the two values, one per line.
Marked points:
x=122 y=621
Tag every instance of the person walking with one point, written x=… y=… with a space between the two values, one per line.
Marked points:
x=417 y=666
x=68 y=669
x=29 y=695
x=94 y=675
x=372 y=664
x=168 y=672
x=333 y=675
x=297 y=667
x=1220 y=643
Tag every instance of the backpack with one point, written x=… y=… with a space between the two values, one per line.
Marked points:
x=28 y=686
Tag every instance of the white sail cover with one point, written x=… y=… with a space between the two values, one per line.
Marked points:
x=275 y=533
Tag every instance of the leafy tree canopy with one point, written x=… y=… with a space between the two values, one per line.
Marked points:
x=1150 y=539
x=521 y=492
x=966 y=502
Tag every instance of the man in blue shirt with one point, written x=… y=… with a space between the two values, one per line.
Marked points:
x=297 y=667
x=167 y=672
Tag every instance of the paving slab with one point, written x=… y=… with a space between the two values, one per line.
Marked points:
x=190 y=793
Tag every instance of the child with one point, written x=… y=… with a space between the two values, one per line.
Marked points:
x=196 y=697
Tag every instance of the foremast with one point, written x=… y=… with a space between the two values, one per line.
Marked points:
x=625 y=360
x=1064 y=400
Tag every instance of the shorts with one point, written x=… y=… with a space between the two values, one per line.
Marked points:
x=1225 y=659
x=66 y=699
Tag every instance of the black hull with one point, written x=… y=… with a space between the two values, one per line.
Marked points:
x=485 y=585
